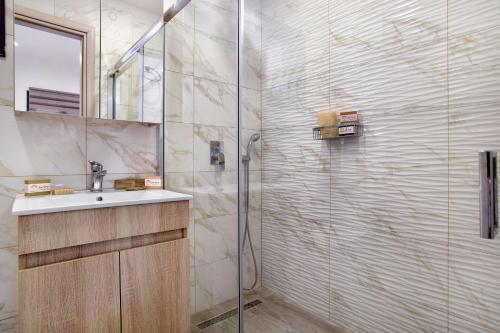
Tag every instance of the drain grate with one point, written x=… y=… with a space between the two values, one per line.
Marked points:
x=226 y=315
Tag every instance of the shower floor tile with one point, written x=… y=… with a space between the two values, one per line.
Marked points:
x=273 y=315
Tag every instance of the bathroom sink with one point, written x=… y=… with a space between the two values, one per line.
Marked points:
x=88 y=200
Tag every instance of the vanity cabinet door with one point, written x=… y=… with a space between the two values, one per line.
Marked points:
x=76 y=296
x=155 y=288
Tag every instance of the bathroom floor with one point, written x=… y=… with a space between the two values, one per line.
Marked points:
x=273 y=315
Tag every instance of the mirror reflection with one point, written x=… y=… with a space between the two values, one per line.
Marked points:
x=48 y=70
x=66 y=49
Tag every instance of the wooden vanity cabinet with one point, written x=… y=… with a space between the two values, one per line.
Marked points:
x=136 y=283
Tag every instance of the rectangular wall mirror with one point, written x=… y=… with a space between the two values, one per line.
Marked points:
x=65 y=51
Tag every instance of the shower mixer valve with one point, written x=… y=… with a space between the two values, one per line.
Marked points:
x=217 y=157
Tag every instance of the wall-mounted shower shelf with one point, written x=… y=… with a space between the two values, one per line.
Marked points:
x=333 y=132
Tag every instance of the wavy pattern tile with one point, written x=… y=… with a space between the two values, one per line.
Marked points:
x=295 y=237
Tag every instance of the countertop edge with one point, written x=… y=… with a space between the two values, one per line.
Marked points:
x=36 y=211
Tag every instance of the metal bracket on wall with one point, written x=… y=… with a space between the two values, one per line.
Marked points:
x=488 y=194
x=2 y=28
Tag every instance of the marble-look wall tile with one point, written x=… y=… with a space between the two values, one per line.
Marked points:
x=251 y=109
x=215 y=103
x=215 y=59
x=202 y=137
x=251 y=69
x=215 y=194
x=216 y=282
x=123 y=147
x=179 y=47
x=44 y=6
x=8 y=283
x=41 y=144
x=215 y=20
x=252 y=34
x=179 y=147
x=179 y=100
x=216 y=238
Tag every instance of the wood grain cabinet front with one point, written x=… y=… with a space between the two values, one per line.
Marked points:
x=76 y=296
x=122 y=269
x=155 y=288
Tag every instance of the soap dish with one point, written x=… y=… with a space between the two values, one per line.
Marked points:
x=337 y=131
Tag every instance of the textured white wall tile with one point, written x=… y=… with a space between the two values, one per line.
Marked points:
x=382 y=282
x=295 y=45
x=295 y=224
x=474 y=291
x=472 y=128
x=293 y=148
x=469 y=16
x=406 y=141
x=474 y=67
x=410 y=207
x=295 y=103
x=389 y=54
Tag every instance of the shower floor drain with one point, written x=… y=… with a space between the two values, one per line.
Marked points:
x=226 y=315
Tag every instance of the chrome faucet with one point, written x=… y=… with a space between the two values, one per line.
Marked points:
x=97 y=176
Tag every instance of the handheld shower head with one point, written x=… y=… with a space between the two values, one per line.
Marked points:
x=254 y=138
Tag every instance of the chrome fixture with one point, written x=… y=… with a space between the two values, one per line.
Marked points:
x=254 y=138
x=488 y=194
x=246 y=163
x=97 y=175
x=217 y=156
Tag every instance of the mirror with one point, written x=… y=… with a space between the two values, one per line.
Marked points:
x=65 y=51
x=48 y=70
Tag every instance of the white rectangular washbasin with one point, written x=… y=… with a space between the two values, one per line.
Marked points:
x=88 y=200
